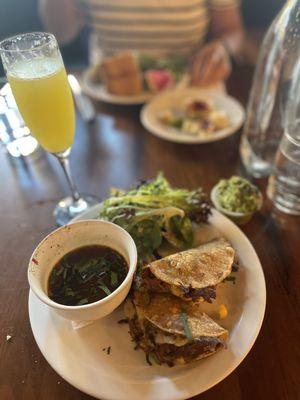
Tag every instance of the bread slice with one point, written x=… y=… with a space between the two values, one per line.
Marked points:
x=123 y=64
x=125 y=86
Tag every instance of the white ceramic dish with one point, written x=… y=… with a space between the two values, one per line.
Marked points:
x=177 y=98
x=237 y=217
x=78 y=356
x=67 y=238
x=98 y=92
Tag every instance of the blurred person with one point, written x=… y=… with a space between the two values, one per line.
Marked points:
x=156 y=27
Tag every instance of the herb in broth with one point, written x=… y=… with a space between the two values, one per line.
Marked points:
x=86 y=275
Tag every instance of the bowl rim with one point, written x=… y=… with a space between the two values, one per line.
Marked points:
x=131 y=268
x=213 y=197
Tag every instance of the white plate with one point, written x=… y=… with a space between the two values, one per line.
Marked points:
x=98 y=92
x=177 y=98
x=78 y=357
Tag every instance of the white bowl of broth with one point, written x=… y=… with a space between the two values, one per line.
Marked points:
x=83 y=270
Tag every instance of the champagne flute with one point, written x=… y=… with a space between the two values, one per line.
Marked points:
x=37 y=76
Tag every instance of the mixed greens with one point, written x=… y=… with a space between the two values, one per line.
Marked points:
x=154 y=212
x=175 y=63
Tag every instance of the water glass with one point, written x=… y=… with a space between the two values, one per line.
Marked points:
x=284 y=183
x=14 y=135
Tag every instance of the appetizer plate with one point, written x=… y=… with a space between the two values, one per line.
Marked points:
x=100 y=360
x=98 y=92
x=177 y=98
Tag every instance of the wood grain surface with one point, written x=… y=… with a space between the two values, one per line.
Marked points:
x=117 y=151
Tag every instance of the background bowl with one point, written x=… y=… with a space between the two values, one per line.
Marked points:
x=237 y=217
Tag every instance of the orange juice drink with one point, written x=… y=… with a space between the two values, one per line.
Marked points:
x=44 y=98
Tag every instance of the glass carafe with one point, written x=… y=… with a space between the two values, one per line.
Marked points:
x=268 y=106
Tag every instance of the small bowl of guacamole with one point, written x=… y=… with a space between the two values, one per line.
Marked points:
x=237 y=198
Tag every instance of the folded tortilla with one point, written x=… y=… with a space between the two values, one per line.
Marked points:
x=172 y=330
x=192 y=274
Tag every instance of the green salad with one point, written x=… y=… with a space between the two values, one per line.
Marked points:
x=154 y=212
x=175 y=63
x=238 y=195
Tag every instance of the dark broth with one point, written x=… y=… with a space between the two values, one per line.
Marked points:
x=86 y=274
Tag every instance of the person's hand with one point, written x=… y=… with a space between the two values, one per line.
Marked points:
x=211 y=64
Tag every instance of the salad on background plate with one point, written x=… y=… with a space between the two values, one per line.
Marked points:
x=198 y=117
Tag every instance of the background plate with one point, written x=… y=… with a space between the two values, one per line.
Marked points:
x=98 y=92
x=177 y=98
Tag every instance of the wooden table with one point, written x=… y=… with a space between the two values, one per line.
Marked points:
x=116 y=151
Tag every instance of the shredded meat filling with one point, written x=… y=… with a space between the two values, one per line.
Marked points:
x=208 y=293
x=168 y=353
x=153 y=284
x=136 y=331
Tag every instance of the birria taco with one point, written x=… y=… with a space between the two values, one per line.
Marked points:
x=171 y=330
x=192 y=274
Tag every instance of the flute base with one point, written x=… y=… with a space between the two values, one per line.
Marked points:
x=67 y=208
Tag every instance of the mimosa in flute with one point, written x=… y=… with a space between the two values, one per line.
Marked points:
x=44 y=98
x=39 y=83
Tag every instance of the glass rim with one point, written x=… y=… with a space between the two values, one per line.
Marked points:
x=292 y=139
x=20 y=35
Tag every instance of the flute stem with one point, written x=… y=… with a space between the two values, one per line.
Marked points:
x=63 y=159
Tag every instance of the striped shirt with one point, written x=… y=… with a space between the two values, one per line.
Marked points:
x=149 y=26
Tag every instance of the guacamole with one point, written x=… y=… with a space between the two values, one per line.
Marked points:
x=238 y=195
